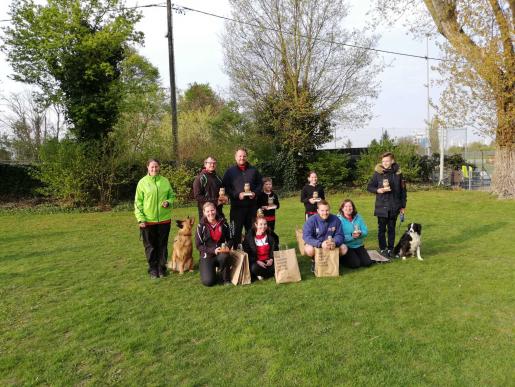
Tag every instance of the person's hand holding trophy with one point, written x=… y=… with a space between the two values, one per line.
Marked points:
x=246 y=192
x=315 y=198
x=271 y=204
x=328 y=243
x=357 y=231
x=224 y=248
x=222 y=198
x=386 y=185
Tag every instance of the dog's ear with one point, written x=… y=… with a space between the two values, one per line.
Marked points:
x=192 y=221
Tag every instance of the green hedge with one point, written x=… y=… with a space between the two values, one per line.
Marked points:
x=17 y=181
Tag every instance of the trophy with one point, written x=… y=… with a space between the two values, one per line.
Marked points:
x=386 y=185
x=315 y=196
x=221 y=195
x=270 y=201
x=224 y=248
x=246 y=190
x=357 y=229
x=331 y=242
x=260 y=212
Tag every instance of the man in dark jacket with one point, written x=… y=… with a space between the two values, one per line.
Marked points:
x=323 y=230
x=242 y=183
x=206 y=188
x=390 y=189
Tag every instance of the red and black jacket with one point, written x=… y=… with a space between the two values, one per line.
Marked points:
x=249 y=244
x=205 y=244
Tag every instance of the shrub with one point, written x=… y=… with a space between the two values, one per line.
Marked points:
x=64 y=171
x=332 y=169
x=181 y=178
x=405 y=155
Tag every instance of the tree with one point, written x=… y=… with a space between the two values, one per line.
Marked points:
x=480 y=38
x=288 y=68
x=72 y=51
x=27 y=125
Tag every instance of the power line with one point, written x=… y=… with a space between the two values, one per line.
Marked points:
x=182 y=8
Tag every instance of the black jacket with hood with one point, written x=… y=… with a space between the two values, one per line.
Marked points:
x=389 y=203
x=249 y=244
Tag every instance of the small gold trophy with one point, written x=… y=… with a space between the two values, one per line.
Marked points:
x=224 y=248
x=270 y=201
x=315 y=196
x=260 y=212
x=357 y=229
x=386 y=185
x=221 y=195
x=246 y=190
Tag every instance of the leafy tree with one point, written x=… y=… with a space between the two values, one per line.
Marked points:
x=287 y=69
x=405 y=155
x=72 y=50
x=479 y=44
x=332 y=169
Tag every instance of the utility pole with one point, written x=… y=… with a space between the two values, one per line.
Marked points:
x=173 y=93
x=428 y=105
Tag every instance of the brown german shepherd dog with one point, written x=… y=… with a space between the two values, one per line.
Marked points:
x=182 y=256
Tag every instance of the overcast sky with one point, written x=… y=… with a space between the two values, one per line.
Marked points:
x=402 y=104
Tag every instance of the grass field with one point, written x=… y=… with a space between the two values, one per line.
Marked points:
x=77 y=307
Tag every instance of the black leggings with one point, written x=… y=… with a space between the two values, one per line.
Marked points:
x=355 y=258
x=383 y=224
x=241 y=217
x=257 y=270
x=207 y=268
x=155 y=241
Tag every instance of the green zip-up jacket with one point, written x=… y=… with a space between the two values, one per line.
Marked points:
x=151 y=192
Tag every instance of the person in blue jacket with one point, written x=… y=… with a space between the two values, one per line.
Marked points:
x=323 y=230
x=354 y=231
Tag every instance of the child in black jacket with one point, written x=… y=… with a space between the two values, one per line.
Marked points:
x=391 y=196
x=311 y=194
x=268 y=202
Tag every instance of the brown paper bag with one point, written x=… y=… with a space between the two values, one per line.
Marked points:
x=300 y=241
x=327 y=262
x=286 y=266
x=240 y=270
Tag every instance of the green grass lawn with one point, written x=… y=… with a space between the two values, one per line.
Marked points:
x=77 y=307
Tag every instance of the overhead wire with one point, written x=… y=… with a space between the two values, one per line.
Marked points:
x=180 y=8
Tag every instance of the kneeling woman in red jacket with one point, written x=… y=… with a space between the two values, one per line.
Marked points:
x=260 y=244
x=213 y=241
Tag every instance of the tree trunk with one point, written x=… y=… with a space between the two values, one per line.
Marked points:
x=503 y=182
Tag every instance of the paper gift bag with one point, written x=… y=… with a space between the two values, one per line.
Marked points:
x=286 y=266
x=300 y=241
x=240 y=270
x=327 y=262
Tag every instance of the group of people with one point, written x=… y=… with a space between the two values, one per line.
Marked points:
x=253 y=207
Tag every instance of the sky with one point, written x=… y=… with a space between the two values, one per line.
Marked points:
x=401 y=107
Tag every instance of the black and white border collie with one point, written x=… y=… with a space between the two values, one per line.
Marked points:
x=409 y=244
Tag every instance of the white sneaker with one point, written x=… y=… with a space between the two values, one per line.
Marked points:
x=259 y=278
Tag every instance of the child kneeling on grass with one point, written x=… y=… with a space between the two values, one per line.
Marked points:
x=260 y=244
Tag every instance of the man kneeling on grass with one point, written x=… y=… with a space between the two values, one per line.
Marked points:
x=323 y=230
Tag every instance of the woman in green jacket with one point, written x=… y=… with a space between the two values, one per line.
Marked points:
x=152 y=207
